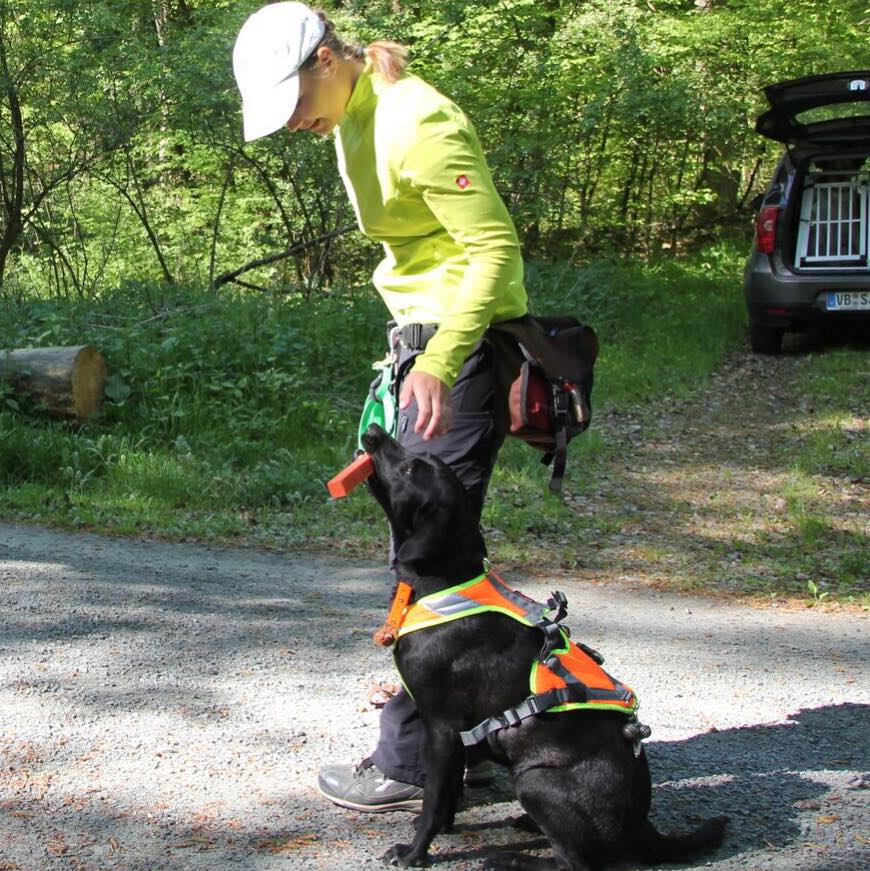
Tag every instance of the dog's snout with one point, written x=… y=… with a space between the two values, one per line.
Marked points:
x=373 y=437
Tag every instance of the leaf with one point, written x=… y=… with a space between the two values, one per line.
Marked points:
x=279 y=845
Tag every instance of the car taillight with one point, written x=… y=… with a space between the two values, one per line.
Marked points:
x=765 y=229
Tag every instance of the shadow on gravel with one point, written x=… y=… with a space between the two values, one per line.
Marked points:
x=761 y=776
x=155 y=631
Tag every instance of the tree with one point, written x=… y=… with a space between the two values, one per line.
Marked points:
x=60 y=117
x=620 y=125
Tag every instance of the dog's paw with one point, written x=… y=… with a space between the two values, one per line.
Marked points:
x=402 y=856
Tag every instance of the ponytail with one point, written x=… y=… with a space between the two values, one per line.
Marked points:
x=389 y=59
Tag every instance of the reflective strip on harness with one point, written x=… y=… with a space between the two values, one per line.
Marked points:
x=480 y=594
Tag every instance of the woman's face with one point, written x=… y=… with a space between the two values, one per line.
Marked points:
x=323 y=95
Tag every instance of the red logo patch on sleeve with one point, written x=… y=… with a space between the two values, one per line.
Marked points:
x=463 y=182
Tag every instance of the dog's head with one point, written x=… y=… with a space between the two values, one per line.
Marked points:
x=427 y=507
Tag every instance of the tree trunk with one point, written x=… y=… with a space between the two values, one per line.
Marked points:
x=68 y=381
x=11 y=186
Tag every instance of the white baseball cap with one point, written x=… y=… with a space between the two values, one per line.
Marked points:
x=271 y=46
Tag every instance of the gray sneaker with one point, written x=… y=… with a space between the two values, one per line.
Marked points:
x=364 y=787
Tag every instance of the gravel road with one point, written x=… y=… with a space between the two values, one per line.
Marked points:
x=167 y=706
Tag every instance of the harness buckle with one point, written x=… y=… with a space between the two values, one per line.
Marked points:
x=510 y=718
x=412 y=337
x=536 y=705
x=552 y=638
x=392 y=337
x=562 y=404
x=558 y=601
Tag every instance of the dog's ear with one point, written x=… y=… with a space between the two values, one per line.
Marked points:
x=428 y=539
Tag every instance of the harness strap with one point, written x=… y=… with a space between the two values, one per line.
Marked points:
x=556 y=666
x=590 y=652
x=536 y=613
x=558 y=602
x=574 y=692
x=532 y=706
x=619 y=693
x=554 y=632
x=559 y=458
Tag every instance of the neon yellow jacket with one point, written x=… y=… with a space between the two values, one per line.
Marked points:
x=419 y=184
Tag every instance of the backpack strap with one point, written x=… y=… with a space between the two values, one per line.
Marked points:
x=560 y=453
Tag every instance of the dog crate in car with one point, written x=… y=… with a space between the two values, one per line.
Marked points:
x=833 y=230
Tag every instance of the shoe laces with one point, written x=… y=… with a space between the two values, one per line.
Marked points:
x=360 y=769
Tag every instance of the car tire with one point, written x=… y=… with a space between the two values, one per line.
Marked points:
x=765 y=340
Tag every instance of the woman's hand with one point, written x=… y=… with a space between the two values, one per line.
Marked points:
x=433 y=403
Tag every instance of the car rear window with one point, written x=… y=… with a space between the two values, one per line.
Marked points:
x=833 y=112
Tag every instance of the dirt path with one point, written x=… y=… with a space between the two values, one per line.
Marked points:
x=167 y=706
x=705 y=493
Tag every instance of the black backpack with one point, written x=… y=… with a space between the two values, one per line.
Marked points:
x=544 y=371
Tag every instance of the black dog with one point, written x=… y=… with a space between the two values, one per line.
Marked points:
x=577 y=776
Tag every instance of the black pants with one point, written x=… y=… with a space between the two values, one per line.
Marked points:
x=470 y=448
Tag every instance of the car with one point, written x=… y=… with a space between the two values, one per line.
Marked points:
x=809 y=261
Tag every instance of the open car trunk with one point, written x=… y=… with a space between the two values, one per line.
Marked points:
x=826 y=119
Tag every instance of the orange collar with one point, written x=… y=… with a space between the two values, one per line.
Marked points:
x=387 y=634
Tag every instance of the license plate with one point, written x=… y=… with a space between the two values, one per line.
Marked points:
x=848 y=300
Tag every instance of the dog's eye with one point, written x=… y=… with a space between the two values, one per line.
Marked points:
x=407 y=467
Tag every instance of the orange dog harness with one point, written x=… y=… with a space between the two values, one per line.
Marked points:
x=565 y=676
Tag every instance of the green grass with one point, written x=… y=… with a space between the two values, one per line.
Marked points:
x=662 y=326
x=834 y=446
x=229 y=412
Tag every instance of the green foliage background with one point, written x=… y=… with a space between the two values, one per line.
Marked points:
x=611 y=125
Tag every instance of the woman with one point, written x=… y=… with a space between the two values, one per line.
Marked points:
x=418 y=181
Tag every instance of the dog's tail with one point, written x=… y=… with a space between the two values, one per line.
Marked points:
x=655 y=848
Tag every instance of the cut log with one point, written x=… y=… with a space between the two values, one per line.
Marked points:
x=68 y=381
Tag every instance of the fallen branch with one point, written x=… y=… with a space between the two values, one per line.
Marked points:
x=226 y=277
